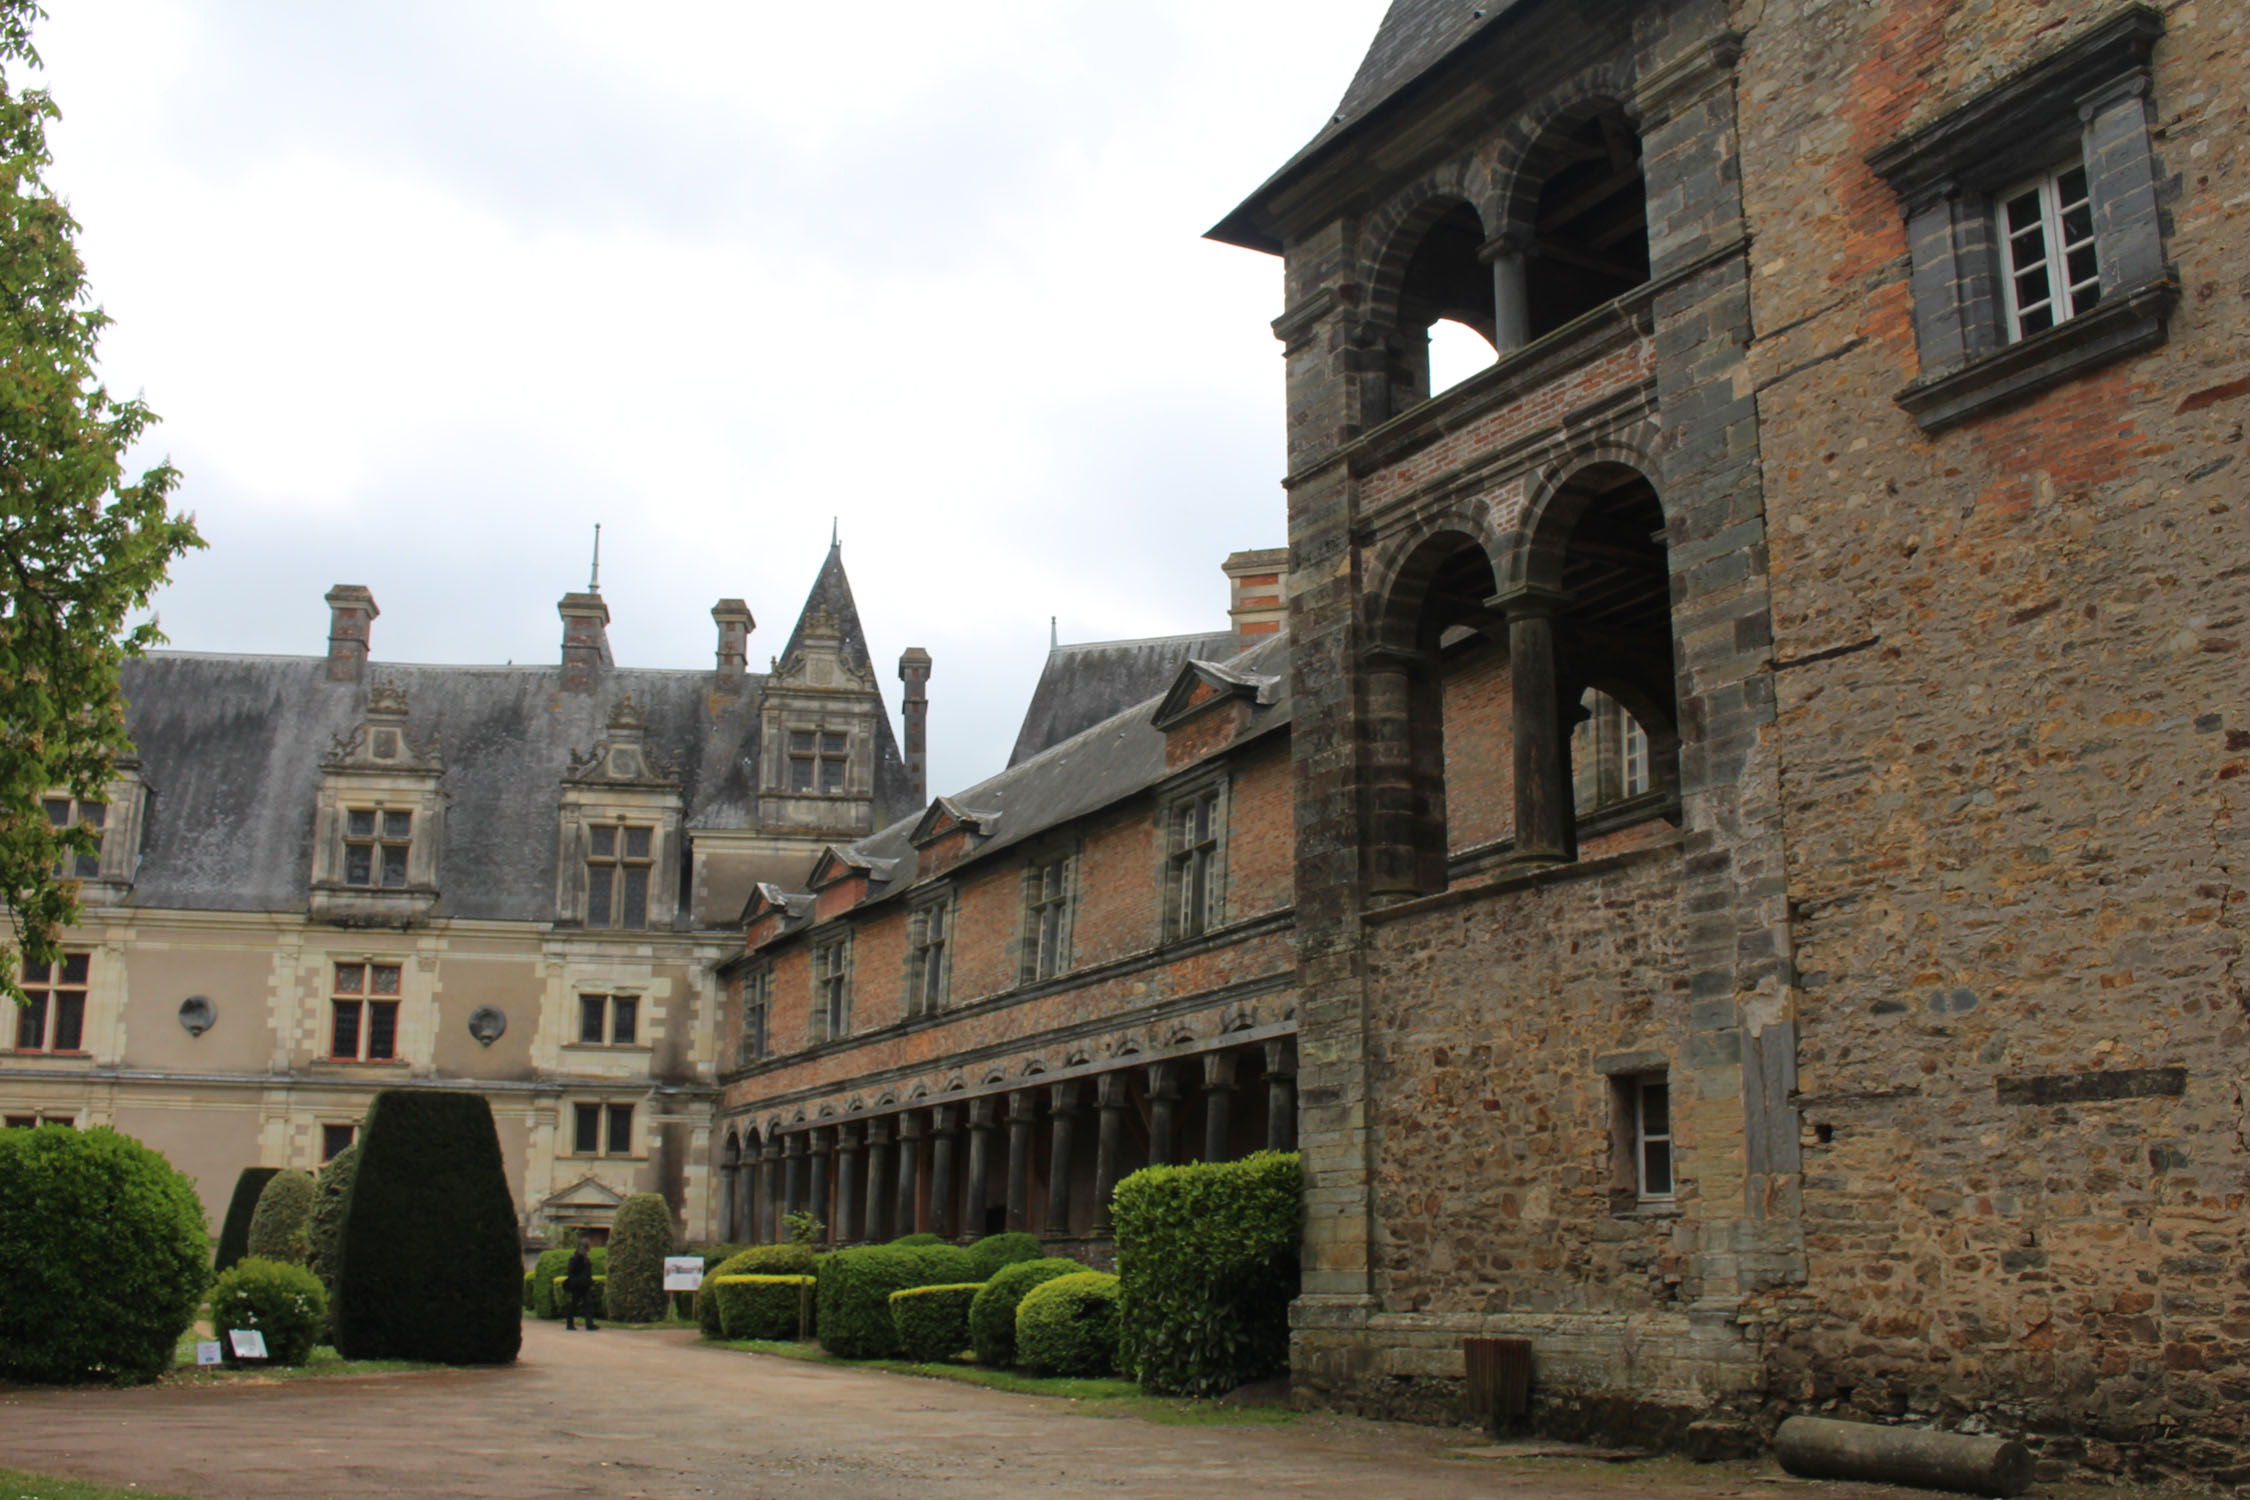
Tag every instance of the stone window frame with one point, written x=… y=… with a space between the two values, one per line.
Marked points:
x=1629 y=1074
x=754 y=996
x=816 y=758
x=67 y=810
x=1036 y=958
x=70 y=976
x=605 y=1115
x=381 y=840
x=2088 y=100
x=586 y=808
x=620 y=863
x=329 y=1149
x=829 y=967
x=927 y=992
x=635 y=1006
x=1174 y=857
x=366 y=995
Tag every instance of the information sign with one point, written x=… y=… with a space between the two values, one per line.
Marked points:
x=248 y=1343
x=683 y=1273
x=207 y=1351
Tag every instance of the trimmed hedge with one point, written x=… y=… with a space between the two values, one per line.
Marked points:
x=104 y=1255
x=758 y=1260
x=1068 y=1326
x=281 y=1299
x=856 y=1287
x=331 y=1189
x=548 y=1270
x=639 y=1239
x=234 y=1234
x=910 y=1241
x=762 y=1307
x=1207 y=1264
x=561 y=1298
x=430 y=1257
x=529 y=1281
x=933 y=1321
x=281 y=1229
x=992 y=1316
x=997 y=1250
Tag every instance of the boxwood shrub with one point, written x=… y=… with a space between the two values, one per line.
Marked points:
x=104 y=1255
x=758 y=1260
x=1207 y=1264
x=992 y=1316
x=933 y=1321
x=548 y=1271
x=685 y=1304
x=639 y=1239
x=281 y=1229
x=997 y=1250
x=856 y=1287
x=561 y=1298
x=281 y=1299
x=763 y=1307
x=529 y=1281
x=429 y=1260
x=234 y=1234
x=924 y=1238
x=1068 y=1326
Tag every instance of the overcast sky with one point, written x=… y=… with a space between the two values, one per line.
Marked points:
x=423 y=290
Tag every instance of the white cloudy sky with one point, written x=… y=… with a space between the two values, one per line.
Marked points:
x=423 y=289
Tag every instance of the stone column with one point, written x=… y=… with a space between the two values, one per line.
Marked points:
x=754 y=1157
x=846 y=1226
x=1218 y=1105
x=1023 y=1114
x=878 y=1177
x=1062 y=1142
x=1163 y=1109
x=823 y=1146
x=793 y=1197
x=1109 y=1146
x=730 y=1181
x=909 y=1172
x=980 y=1165
x=1546 y=823
x=1511 y=292
x=1281 y=1094
x=945 y=1124
x=1392 y=873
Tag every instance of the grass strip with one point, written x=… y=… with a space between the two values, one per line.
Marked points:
x=17 y=1485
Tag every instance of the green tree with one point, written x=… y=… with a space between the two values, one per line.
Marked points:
x=80 y=547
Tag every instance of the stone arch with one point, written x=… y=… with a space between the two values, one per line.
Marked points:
x=1034 y=1068
x=1570 y=198
x=1425 y=261
x=1401 y=569
x=1530 y=553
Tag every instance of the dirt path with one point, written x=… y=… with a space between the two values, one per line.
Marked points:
x=620 y=1414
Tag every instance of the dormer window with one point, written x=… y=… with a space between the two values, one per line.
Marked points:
x=376 y=843
x=816 y=760
x=66 y=811
x=618 y=861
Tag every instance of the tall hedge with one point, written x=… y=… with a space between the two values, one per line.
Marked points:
x=331 y=1189
x=102 y=1256
x=281 y=1229
x=639 y=1239
x=234 y=1234
x=855 y=1289
x=992 y=1316
x=429 y=1264
x=758 y=1260
x=1207 y=1265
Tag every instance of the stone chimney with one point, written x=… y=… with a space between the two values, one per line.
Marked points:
x=1256 y=601
x=914 y=716
x=585 y=654
x=735 y=625
x=351 y=610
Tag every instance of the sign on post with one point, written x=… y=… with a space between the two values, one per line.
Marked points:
x=248 y=1343
x=683 y=1273
x=207 y=1351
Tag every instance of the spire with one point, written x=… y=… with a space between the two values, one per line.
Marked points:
x=594 y=581
x=830 y=611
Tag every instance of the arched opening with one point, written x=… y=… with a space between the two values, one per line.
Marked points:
x=1589 y=234
x=1444 y=282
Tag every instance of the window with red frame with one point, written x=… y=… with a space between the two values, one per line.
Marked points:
x=363 y=1013
x=55 y=1020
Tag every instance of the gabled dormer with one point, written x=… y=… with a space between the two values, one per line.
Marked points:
x=821 y=726
x=769 y=912
x=1209 y=706
x=948 y=833
x=377 y=820
x=620 y=831
x=842 y=878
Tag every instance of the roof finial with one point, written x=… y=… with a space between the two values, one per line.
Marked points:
x=1054 y=633
x=835 y=531
x=594 y=583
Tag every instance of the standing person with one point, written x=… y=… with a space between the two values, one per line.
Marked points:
x=578 y=1285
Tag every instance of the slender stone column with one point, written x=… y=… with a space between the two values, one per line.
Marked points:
x=945 y=1126
x=1218 y=1105
x=1062 y=1143
x=909 y=1173
x=1023 y=1114
x=730 y=1181
x=1109 y=1146
x=1163 y=1110
x=1392 y=873
x=755 y=1156
x=1281 y=1094
x=823 y=1146
x=1546 y=823
x=847 y=1184
x=980 y=1165
x=878 y=1177
x=794 y=1197
x=1511 y=292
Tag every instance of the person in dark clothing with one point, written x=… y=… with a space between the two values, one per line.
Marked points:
x=578 y=1285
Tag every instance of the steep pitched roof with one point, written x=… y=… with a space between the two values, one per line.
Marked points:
x=1082 y=685
x=831 y=593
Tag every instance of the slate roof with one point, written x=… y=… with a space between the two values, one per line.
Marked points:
x=1082 y=685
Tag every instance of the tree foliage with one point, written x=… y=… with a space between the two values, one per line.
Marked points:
x=81 y=546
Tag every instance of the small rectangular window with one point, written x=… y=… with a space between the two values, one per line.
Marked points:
x=586 y=1138
x=619 y=861
x=376 y=844
x=2052 y=273
x=363 y=1013
x=591 y=1014
x=65 y=811
x=620 y=1130
x=1652 y=1135
x=1191 y=874
x=624 y=1020
x=334 y=1139
x=925 y=959
x=1047 y=905
x=756 y=990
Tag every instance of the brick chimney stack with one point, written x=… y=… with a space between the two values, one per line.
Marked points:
x=1257 y=603
x=585 y=651
x=914 y=714
x=735 y=624
x=351 y=610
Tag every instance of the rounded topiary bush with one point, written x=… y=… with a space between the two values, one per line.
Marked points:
x=855 y=1289
x=933 y=1321
x=281 y=1229
x=763 y=1307
x=325 y=1228
x=1068 y=1326
x=430 y=1263
x=281 y=1299
x=992 y=1316
x=234 y=1234
x=639 y=1239
x=924 y=1238
x=104 y=1255
x=758 y=1260
x=997 y=1250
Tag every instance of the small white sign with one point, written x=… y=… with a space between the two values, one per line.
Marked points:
x=248 y=1343
x=207 y=1351
x=683 y=1273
